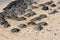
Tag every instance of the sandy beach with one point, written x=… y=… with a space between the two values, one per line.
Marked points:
x=50 y=32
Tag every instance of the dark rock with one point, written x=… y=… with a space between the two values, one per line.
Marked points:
x=15 y=30
x=45 y=8
x=22 y=26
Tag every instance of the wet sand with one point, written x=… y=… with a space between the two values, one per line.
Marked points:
x=50 y=32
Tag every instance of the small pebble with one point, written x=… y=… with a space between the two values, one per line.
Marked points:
x=15 y=30
x=31 y=23
x=22 y=26
x=45 y=8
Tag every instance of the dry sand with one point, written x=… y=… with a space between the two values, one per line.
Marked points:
x=50 y=32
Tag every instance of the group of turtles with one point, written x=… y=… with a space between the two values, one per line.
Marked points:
x=17 y=8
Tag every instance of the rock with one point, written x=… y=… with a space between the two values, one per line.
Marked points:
x=15 y=30
x=22 y=26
